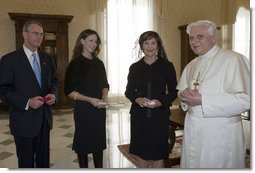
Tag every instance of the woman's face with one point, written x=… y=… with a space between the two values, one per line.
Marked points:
x=89 y=43
x=150 y=48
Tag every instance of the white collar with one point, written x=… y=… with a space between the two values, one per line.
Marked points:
x=210 y=54
x=29 y=52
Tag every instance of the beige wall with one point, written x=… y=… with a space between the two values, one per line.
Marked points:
x=181 y=12
x=178 y=12
x=76 y=8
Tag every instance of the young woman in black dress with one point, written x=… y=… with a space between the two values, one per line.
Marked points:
x=151 y=89
x=86 y=83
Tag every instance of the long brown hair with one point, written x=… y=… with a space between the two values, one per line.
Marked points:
x=152 y=34
x=78 y=48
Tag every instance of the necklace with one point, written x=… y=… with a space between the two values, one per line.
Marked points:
x=198 y=79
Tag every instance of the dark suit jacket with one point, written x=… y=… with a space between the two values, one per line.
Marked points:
x=18 y=83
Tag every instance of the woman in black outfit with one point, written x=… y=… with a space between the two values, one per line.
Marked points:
x=86 y=83
x=151 y=89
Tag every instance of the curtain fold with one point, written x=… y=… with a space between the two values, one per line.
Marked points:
x=119 y=24
x=229 y=11
x=126 y=20
x=162 y=8
x=97 y=6
x=241 y=32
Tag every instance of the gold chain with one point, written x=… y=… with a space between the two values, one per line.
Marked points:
x=197 y=82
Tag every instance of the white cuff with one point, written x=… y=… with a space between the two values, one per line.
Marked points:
x=184 y=106
x=27 y=106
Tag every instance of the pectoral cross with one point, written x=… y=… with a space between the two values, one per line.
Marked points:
x=196 y=84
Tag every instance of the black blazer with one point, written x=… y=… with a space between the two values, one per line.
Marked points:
x=18 y=83
x=151 y=81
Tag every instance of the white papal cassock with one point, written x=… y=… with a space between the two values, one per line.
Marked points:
x=213 y=132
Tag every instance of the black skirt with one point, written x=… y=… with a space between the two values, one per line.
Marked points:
x=90 y=130
x=149 y=137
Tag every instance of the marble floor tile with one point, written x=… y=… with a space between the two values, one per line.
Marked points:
x=61 y=154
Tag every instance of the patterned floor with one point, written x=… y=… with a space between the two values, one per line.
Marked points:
x=62 y=156
x=61 y=152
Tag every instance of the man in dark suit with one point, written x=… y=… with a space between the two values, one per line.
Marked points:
x=29 y=98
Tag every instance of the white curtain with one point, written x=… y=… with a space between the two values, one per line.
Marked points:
x=125 y=20
x=241 y=34
x=229 y=13
x=253 y=25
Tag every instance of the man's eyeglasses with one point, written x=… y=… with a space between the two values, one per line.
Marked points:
x=36 y=34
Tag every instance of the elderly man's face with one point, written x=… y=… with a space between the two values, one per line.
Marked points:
x=200 y=41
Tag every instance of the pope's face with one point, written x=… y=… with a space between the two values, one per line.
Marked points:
x=200 y=41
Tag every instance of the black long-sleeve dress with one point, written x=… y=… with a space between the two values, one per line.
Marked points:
x=150 y=127
x=88 y=77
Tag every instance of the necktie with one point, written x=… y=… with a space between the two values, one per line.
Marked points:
x=36 y=69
